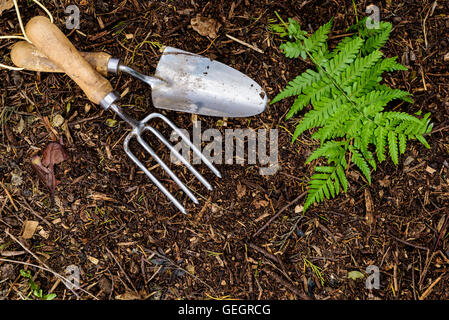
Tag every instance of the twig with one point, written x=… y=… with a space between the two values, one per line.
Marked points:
x=408 y=243
x=244 y=43
x=123 y=271
x=429 y=289
x=289 y=286
x=180 y=268
x=9 y=196
x=47 y=268
x=27 y=206
x=441 y=233
x=269 y=256
x=279 y=213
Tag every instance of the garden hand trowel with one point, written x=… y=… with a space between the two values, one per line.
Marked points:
x=183 y=81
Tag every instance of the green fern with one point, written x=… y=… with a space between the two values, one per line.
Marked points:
x=348 y=104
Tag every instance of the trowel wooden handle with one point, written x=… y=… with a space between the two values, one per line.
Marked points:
x=49 y=40
x=27 y=56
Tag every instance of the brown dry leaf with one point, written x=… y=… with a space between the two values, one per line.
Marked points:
x=29 y=228
x=206 y=27
x=241 y=190
x=5 y=5
x=52 y=155
x=261 y=203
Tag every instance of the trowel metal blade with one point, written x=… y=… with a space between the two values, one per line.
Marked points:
x=196 y=84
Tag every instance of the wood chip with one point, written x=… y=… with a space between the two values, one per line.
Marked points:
x=430 y=170
x=44 y=234
x=369 y=207
x=5 y=5
x=29 y=229
x=446 y=57
x=100 y=196
x=93 y=260
x=128 y=296
x=241 y=190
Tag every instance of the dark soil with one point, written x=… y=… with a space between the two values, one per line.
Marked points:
x=129 y=241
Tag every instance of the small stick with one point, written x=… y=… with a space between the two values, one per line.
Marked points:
x=289 y=286
x=47 y=268
x=27 y=206
x=9 y=196
x=279 y=213
x=244 y=43
x=409 y=244
x=116 y=261
x=429 y=289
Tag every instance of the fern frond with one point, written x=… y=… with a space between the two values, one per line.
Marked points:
x=377 y=40
x=296 y=86
x=361 y=163
x=332 y=150
x=348 y=102
x=322 y=111
x=358 y=68
x=381 y=135
x=302 y=46
x=319 y=38
x=402 y=143
x=325 y=184
x=298 y=105
x=393 y=146
x=346 y=56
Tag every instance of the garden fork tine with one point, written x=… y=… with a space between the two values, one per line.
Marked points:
x=138 y=128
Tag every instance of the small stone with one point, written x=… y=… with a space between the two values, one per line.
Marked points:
x=58 y=120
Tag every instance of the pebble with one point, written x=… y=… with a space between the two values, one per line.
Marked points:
x=299 y=233
x=58 y=120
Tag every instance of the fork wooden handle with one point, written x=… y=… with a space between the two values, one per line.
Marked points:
x=49 y=40
x=27 y=56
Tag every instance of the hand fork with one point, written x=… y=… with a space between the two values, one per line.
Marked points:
x=49 y=40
